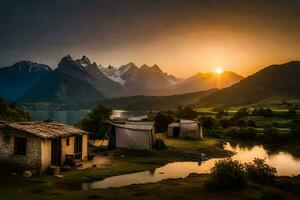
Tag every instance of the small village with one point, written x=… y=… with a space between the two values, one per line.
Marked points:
x=132 y=156
x=38 y=147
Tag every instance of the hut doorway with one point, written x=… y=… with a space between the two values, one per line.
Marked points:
x=176 y=131
x=56 y=152
x=112 y=141
x=78 y=147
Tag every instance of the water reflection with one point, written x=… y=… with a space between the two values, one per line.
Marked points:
x=285 y=163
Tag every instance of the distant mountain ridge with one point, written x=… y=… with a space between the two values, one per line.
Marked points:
x=80 y=81
x=274 y=81
x=15 y=80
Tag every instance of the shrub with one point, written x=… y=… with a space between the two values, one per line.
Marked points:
x=243 y=112
x=227 y=174
x=271 y=194
x=224 y=123
x=264 y=112
x=207 y=122
x=251 y=123
x=271 y=135
x=221 y=113
x=260 y=172
x=241 y=123
x=242 y=133
x=162 y=120
x=187 y=113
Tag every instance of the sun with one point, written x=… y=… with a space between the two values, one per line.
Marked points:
x=218 y=70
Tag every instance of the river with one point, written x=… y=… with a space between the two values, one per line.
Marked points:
x=285 y=164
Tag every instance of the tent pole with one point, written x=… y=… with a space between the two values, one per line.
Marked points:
x=106 y=136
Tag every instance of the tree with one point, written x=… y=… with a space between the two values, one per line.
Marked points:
x=162 y=120
x=12 y=112
x=227 y=174
x=187 y=113
x=95 y=121
x=208 y=122
x=243 y=112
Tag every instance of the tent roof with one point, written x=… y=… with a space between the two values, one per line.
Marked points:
x=138 y=118
x=174 y=124
x=139 y=126
x=186 y=121
x=46 y=129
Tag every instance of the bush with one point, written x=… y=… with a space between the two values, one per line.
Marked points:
x=207 y=122
x=243 y=112
x=241 y=123
x=251 y=123
x=187 y=113
x=224 y=123
x=221 y=113
x=271 y=135
x=242 y=133
x=162 y=120
x=227 y=174
x=260 y=172
x=271 y=194
x=264 y=112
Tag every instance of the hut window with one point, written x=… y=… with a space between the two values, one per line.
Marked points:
x=20 y=146
x=68 y=141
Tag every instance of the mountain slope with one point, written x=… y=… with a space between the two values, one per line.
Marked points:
x=207 y=81
x=61 y=88
x=274 y=81
x=18 y=78
x=155 y=103
x=84 y=70
x=143 y=81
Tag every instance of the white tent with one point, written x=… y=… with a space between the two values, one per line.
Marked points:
x=132 y=135
x=185 y=129
x=174 y=130
x=143 y=118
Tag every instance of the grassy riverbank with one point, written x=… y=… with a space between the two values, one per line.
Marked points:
x=188 y=188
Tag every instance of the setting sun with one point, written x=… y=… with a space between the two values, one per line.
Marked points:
x=219 y=70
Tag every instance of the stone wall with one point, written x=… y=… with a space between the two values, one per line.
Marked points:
x=31 y=160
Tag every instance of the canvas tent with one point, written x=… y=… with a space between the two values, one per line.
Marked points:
x=185 y=129
x=143 y=118
x=131 y=135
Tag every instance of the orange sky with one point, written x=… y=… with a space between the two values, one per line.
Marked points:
x=182 y=37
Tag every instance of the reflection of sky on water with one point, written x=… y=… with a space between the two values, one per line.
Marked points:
x=285 y=164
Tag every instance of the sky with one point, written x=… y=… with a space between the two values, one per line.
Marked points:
x=183 y=37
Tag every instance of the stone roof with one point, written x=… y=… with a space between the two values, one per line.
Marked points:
x=46 y=129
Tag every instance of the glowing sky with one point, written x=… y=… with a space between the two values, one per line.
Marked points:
x=183 y=37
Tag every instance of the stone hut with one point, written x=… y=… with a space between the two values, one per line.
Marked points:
x=38 y=145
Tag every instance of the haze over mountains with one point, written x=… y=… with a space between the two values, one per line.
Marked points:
x=81 y=81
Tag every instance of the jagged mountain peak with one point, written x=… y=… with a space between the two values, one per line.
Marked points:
x=28 y=66
x=156 y=68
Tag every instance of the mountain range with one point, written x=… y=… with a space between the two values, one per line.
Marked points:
x=80 y=81
x=278 y=82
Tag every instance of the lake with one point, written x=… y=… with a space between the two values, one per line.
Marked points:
x=285 y=163
x=72 y=116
